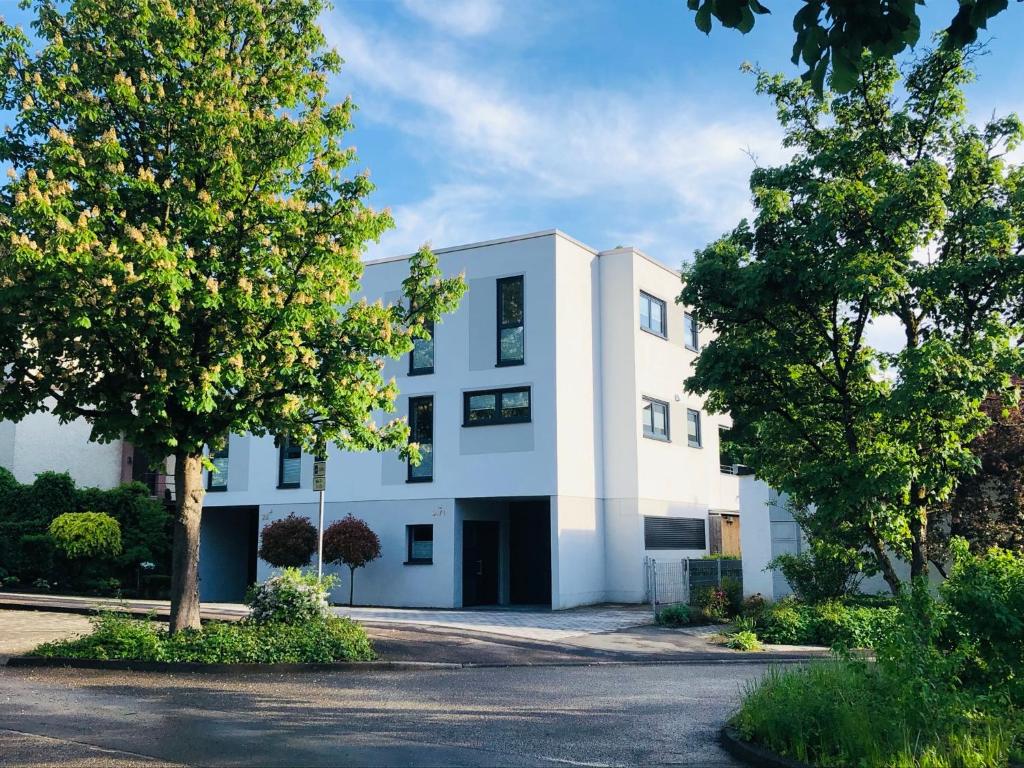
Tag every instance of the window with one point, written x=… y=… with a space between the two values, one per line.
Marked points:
x=421 y=544
x=421 y=359
x=691 y=331
x=652 y=314
x=496 y=406
x=693 y=428
x=217 y=479
x=674 y=533
x=511 y=336
x=289 y=462
x=421 y=431
x=655 y=415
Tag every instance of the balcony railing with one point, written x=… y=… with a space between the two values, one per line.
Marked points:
x=160 y=485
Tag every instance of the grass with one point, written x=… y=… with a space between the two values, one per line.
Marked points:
x=848 y=713
x=116 y=636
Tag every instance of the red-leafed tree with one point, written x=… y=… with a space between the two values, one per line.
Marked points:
x=987 y=507
x=289 y=542
x=350 y=542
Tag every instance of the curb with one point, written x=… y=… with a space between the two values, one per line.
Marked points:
x=171 y=667
x=753 y=754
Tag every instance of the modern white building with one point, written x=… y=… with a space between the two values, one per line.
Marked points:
x=560 y=446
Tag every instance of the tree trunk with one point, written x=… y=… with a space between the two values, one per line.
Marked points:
x=351 y=583
x=188 y=494
x=919 y=543
x=884 y=562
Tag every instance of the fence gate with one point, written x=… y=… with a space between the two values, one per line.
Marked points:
x=670 y=582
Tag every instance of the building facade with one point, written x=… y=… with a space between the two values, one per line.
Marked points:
x=560 y=448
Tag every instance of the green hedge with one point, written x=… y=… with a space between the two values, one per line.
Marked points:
x=28 y=554
x=832 y=623
x=116 y=636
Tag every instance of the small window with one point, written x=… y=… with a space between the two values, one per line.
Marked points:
x=290 y=461
x=421 y=359
x=511 y=333
x=655 y=415
x=421 y=544
x=693 y=428
x=652 y=314
x=217 y=478
x=496 y=406
x=674 y=533
x=691 y=331
x=421 y=431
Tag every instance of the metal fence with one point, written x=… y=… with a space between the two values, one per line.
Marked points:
x=671 y=582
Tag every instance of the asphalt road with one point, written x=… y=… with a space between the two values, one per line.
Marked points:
x=612 y=715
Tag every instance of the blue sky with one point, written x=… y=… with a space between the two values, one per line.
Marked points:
x=617 y=122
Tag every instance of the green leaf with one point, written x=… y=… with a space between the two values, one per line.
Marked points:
x=746 y=20
x=703 y=18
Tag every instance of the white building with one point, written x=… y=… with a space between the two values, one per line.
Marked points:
x=562 y=448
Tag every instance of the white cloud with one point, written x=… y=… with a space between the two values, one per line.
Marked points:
x=464 y=18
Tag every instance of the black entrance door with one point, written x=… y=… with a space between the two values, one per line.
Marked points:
x=479 y=562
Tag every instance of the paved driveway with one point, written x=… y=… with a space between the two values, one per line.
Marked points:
x=623 y=715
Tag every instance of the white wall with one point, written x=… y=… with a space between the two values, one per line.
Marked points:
x=755 y=536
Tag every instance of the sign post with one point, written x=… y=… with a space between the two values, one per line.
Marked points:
x=319 y=485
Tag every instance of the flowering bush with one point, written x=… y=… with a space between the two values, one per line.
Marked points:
x=289 y=542
x=291 y=597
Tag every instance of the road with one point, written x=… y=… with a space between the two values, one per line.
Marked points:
x=554 y=715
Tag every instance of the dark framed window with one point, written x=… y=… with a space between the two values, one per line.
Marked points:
x=652 y=315
x=674 y=533
x=496 y=406
x=421 y=359
x=693 y=428
x=691 y=331
x=420 y=540
x=511 y=317
x=421 y=431
x=217 y=478
x=289 y=464
x=655 y=416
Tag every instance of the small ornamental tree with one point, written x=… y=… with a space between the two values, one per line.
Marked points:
x=86 y=535
x=289 y=542
x=350 y=542
x=181 y=240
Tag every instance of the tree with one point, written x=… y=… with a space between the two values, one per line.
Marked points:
x=180 y=244
x=351 y=542
x=289 y=542
x=891 y=211
x=987 y=508
x=839 y=32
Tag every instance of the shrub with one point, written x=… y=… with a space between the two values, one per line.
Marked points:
x=743 y=641
x=719 y=556
x=116 y=636
x=351 y=542
x=86 y=534
x=754 y=606
x=289 y=542
x=713 y=603
x=733 y=589
x=823 y=572
x=784 y=622
x=677 y=615
x=831 y=623
x=291 y=597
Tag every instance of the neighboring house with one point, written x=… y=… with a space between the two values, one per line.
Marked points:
x=559 y=446
x=769 y=530
x=40 y=443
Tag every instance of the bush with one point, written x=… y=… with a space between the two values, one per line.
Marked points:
x=116 y=636
x=754 y=606
x=289 y=542
x=291 y=597
x=677 y=615
x=86 y=534
x=743 y=641
x=713 y=603
x=823 y=572
x=831 y=623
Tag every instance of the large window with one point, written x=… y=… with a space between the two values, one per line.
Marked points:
x=655 y=415
x=217 y=478
x=420 y=539
x=693 y=428
x=421 y=359
x=511 y=334
x=421 y=431
x=691 y=331
x=496 y=406
x=652 y=314
x=674 y=533
x=289 y=463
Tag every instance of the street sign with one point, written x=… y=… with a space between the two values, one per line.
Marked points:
x=320 y=475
